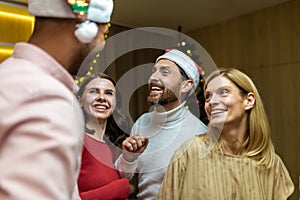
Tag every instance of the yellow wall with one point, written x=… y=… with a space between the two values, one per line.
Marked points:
x=266 y=45
x=15 y=25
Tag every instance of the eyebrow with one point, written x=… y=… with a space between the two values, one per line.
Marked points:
x=164 y=67
x=219 y=88
x=156 y=66
x=95 y=88
x=161 y=67
x=181 y=71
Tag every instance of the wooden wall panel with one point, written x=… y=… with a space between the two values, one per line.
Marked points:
x=266 y=45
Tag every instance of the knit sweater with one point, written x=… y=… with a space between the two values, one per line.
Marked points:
x=166 y=132
x=98 y=179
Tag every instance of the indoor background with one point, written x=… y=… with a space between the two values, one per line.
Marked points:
x=259 y=37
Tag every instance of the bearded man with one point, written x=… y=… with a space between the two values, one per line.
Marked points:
x=157 y=134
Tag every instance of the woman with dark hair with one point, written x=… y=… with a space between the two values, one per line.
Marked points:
x=236 y=158
x=106 y=128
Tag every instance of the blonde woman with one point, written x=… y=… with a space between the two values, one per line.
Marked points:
x=236 y=158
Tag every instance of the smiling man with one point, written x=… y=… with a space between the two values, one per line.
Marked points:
x=174 y=77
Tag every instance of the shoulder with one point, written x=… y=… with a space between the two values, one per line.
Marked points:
x=279 y=165
x=143 y=116
x=283 y=182
x=23 y=83
x=191 y=147
x=35 y=95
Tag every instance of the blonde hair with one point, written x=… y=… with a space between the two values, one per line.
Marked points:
x=258 y=144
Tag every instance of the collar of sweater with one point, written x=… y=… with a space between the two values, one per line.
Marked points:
x=170 y=118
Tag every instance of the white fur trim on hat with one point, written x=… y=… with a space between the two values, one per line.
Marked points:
x=98 y=11
x=184 y=62
x=50 y=8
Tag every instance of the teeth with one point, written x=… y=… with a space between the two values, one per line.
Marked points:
x=101 y=107
x=155 y=88
x=216 y=112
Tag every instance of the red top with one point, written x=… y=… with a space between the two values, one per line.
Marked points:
x=98 y=178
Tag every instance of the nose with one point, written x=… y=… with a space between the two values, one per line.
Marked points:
x=101 y=97
x=154 y=77
x=214 y=99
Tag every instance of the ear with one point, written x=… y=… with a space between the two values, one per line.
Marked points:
x=187 y=85
x=80 y=100
x=249 y=101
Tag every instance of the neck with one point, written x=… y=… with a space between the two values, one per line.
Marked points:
x=232 y=139
x=168 y=106
x=99 y=126
x=56 y=37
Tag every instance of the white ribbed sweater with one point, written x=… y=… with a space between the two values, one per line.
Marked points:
x=166 y=132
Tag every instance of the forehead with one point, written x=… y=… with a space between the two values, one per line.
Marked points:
x=166 y=63
x=100 y=83
x=219 y=82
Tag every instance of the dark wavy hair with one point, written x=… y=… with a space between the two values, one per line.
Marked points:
x=118 y=125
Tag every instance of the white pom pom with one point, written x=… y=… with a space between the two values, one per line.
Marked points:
x=86 y=31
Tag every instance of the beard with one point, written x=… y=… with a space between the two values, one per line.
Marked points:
x=168 y=96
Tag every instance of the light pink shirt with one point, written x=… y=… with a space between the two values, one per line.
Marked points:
x=41 y=127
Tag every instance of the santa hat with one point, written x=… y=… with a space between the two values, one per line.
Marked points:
x=98 y=11
x=190 y=68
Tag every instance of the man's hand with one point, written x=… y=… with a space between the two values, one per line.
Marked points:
x=133 y=146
